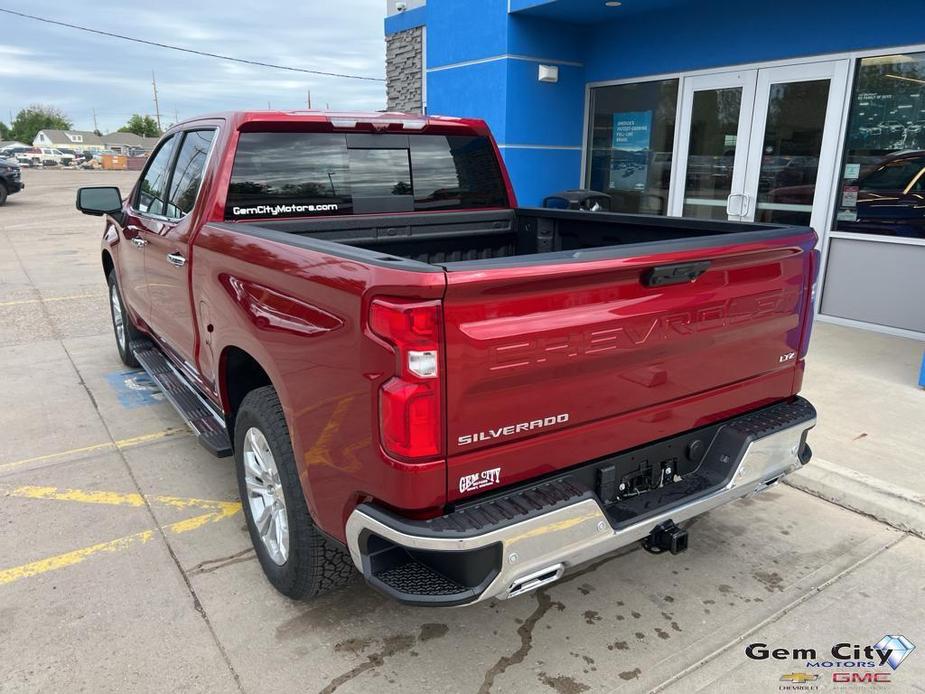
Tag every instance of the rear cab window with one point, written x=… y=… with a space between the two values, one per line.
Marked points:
x=298 y=174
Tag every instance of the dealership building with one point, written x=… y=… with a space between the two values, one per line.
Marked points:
x=788 y=112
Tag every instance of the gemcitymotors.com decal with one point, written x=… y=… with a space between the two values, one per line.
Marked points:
x=277 y=210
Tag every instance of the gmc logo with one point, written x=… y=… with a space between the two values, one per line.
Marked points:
x=626 y=334
x=861 y=677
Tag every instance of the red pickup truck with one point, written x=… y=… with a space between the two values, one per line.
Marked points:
x=460 y=398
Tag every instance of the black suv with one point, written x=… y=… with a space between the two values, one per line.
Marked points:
x=10 y=179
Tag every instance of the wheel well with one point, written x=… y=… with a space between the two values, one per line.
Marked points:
x=240 y=374
x=107 y=263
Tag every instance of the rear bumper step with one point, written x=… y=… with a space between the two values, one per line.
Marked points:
x=512 y=543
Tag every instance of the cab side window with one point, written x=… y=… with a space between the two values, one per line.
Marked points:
x=187 y=172
x=151 y=192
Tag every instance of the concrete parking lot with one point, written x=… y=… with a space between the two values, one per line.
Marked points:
x=125 y=564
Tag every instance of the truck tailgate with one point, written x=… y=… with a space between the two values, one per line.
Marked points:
x=548 y=353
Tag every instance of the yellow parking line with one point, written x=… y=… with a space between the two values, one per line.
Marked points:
x=119 y=444
x=111 y=498
x=22 y=302
x=61 y=561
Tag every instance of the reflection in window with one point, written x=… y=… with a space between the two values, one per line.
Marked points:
x=711 y=152
x=282 y=174
x=790 y=152
x=882 y=189
x=290 y=169
x=151 y=190
x=187 y=172
x=375 y=172
x=456 y=172
x=631 y=139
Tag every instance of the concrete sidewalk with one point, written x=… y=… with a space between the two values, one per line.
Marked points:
x=870 y=438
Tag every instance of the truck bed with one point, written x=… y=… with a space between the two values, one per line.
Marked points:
x=443 y=238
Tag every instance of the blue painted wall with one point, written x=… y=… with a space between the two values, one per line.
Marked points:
x=720 y=33
x=540 y=125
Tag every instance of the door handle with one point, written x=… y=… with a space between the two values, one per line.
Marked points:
x=176 y=259
x=679 y=273
x=736 y=210
x=139 y=242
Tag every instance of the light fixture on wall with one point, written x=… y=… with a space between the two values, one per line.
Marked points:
x=548 y=73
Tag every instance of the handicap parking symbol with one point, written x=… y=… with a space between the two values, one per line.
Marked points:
x=134 y=388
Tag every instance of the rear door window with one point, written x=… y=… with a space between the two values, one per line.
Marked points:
x=284 y=174
x=187 y=172
x=151 y=193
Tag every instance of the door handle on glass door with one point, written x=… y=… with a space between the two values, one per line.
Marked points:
x=176 y=259
x=736 y=210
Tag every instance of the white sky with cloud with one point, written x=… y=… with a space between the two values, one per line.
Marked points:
x=77 y=71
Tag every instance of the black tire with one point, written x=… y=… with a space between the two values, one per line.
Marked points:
x=130 y=332
x=315 y=564
x=3 y=194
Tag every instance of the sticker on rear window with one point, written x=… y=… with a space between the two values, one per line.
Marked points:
x=277 y=210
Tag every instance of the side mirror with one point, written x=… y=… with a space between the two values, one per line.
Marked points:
x=555 y=202
x=100 y=200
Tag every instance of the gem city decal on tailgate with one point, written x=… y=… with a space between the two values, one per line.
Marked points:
x=480 y=480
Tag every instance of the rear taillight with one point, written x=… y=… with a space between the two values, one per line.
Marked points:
x=410 y=407
x=809 y=306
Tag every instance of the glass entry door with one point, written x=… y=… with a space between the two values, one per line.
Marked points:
x=793 y=143
x=759 y=145
x=716 y=114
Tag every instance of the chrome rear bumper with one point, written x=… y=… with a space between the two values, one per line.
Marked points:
x=539 y=549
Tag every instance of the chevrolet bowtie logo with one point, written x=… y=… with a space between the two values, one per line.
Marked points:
x=799 y=677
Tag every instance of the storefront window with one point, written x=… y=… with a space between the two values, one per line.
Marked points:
x=631 y=139
x=882 y=189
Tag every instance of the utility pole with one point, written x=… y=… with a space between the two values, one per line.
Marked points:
x=309 y=99
x=157 y=106
x=269 y=108
x=95 y=128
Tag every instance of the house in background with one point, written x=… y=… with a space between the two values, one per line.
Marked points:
x=129 y=143
x=78 y=140
x=12 y=143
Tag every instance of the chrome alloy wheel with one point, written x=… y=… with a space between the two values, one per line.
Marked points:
x=118 y=321
x=265 y=495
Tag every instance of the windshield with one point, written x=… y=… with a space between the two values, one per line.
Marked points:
x=286 y=174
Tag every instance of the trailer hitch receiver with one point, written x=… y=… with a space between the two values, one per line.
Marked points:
x=666 y=537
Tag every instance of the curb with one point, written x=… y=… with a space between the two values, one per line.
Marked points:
x=888 y=503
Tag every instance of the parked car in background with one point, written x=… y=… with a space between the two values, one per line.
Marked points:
x=891 y=197
x=39 y=156
x=29 y=156
x=459 y=397
x=10 y=179
x=68 y=156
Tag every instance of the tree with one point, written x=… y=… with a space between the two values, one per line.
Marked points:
x=4 y=131
x=145 y=126
x=37 y=117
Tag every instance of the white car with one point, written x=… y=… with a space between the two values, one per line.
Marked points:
x=40 y=156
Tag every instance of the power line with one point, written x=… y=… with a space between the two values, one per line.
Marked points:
x=190 y=50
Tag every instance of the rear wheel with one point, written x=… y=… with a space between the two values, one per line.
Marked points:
x=295 y=555
x=3 y=194
x=122 y=326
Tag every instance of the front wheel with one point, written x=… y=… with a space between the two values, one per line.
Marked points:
x=122 y=326
x=295 y=555
x=3 y=194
